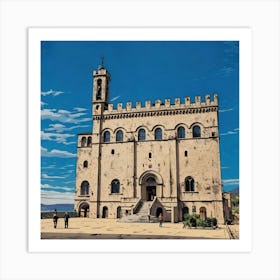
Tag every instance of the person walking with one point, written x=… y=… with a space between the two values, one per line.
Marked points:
x=55 y=218
x=66 y=218
x=160 y=217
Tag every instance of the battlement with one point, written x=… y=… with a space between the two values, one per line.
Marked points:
x=158 y=104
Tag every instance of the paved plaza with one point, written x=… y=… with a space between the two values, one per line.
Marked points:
x=86 y=228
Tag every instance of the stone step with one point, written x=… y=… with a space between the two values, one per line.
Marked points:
x=136 y=218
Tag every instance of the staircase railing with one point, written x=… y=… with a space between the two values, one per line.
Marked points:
x=154 y=200
x=137 y=206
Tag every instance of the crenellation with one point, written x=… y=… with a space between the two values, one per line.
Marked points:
x=128 y=106
x=110 y=107
x=167 y=103
x=120 y=107
x=138 y=105
x=215 y=99
x=207 y=99
x=198 y=105
x=158 y=103
x=148 y=104
x=177 y=102
x=187 y=101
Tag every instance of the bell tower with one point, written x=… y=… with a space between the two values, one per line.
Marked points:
x=101 y=80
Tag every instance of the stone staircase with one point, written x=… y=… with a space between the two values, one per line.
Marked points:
x=141 y=215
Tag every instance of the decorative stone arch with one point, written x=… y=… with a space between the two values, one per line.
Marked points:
x=151 y=185
x=83 y=209
x=201 y=126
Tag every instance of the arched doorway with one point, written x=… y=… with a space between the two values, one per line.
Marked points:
x=185 y=211
x=159 y=211
x=151 y=185
x=119 y=212
x=84 y=209
x=202 y=213
x=149 y=191
x=105 y=212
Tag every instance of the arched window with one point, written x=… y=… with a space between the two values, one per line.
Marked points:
x=99 y=89
x=106 y=136
x=141 y=135
x=115 y=186
x=85 y=188
x=181 y=132
x=202 y=213
x=83 y=141
x=119 y=212
x=85 y=164
x=105 y=212
x=119 y=136
x=89 y=140
x=196 y=131
x=158 y=134
x=189 y=184
x=185 y=212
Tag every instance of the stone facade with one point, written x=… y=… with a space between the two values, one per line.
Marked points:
x=162 y=157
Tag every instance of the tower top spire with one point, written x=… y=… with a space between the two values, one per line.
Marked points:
x=102 y=62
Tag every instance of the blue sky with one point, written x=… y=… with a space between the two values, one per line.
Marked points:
x=144 y=70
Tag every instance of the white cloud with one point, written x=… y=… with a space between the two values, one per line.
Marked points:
x=57 y=127
x=43 y=103
x=63 y=116
x=225 y=110
x=57 y=137
x=57 y=188
x=80 y=109
x=231 y=182
x=56 y=153
x=115 y=98
x=52 y=92
x=230 y=132
x=46 y=176
x=54 y=197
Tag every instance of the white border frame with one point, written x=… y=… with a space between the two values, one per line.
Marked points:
x=243 y=35
x=262 y=16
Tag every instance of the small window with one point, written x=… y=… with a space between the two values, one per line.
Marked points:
x=181 y=132
x=85 y=164
x=119 y=136
x=99 y=89
x=141 y=135
x=106 y=137
x=186 y=153
x=115 y=186
x=83 y=141
x=158 y=134
x=113 y=152
x=89 y=141
x=196 y=131
x=213 y=134
x=150 y=155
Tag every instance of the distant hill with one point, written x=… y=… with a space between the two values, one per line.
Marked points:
x=231 y=190
x=58 y=207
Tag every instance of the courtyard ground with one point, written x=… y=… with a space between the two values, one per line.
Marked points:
x=86 y=228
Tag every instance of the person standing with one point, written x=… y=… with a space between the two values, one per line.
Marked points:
x=66 y=218
x=55 y=218
x=160 y=217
